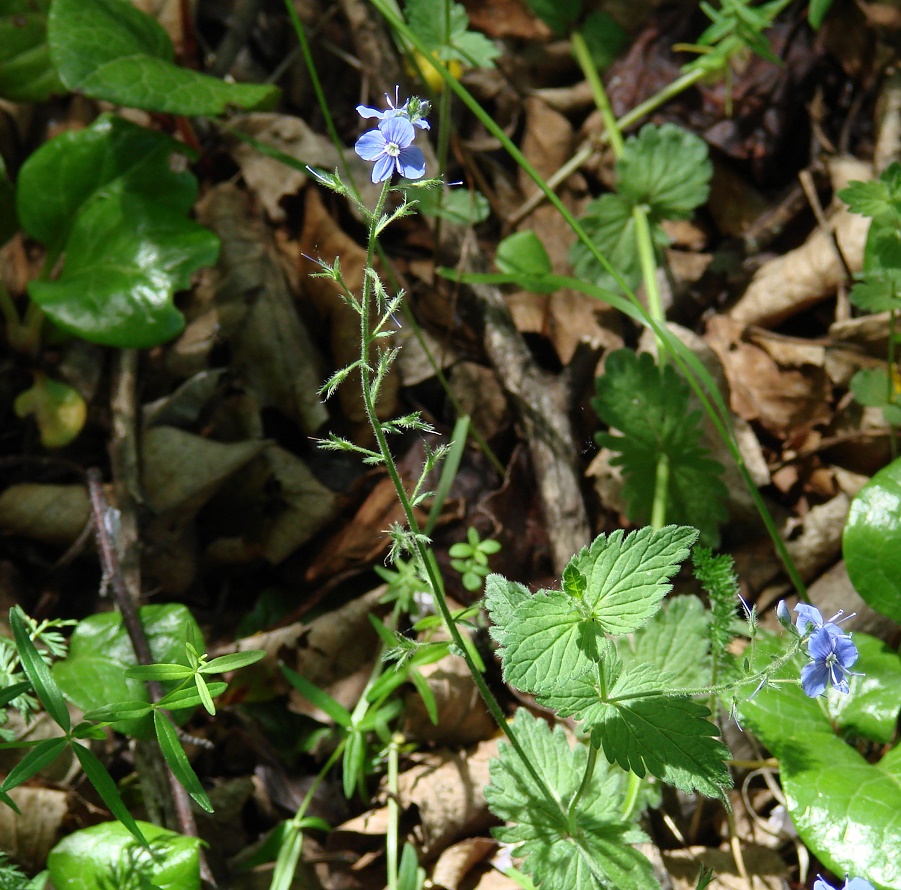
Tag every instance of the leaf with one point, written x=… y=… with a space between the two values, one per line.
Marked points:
x=676 y=642
x=880 y=199
x=178 y=760
x=667 y=169
x=40 y=756
x=100 y=653
x=592 y=849
x=108 y=49
x=501 y=599
x=816 y=12
x=645 y=730
x=93 y=858
x=847 y=811
x=442 y=27
x=9 y=219
x=320 y=699
x=58 y=409
x=26 y=72
x=550 y=637
x=233 y=662
x=608 y=223
x=649 y=405
x=111 y=157
x=870 y=387
x=871 y=541
x=522 y=256
x=604 y=37
x=45 y=686
x=123 y=296
x=125 y=710
x=459 y=206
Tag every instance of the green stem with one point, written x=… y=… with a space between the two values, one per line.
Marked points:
x=391 y=840
x=612 y=128
x=583 y=785
x=422 y=551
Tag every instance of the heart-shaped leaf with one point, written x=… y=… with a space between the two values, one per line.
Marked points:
x=872 y=541
x=100 y=653
x=108 y=49
x=846 y=810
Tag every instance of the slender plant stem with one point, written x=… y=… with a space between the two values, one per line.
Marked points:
x=892 y=376
x=391 y=840
x=583 y=785
x=423 y=552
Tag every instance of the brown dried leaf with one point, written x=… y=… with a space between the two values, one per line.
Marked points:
x=57 y=514
x=29 y=837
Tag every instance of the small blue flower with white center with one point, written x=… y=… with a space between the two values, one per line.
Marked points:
x=391 y=147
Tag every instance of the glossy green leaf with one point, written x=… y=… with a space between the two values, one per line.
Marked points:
x=111 y=157
x=204 y=693
x=872 y=541
x=108 y=49
x=189 y=697
x=10 y=692
x=45 y=687
x=178 y=760
x=100 y=653
x=26 y=72
x=523 y=257
x=123 y=296
x=40 y=756
x=159 y=672
x=232 y=662
x=118 y=711
x=846 y=810
x=107 y=789
x=95 y=858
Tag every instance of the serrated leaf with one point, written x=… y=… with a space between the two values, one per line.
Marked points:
x=649 y=405
x=646 y=731
x=880 y=199
x=598 y=853
x=444 y=31
x=628 y=576
x=123 y=296
x=871 y=541
x=93 y=857
x=877 y=292
x=846 y=810
x=501 y=598
x=26 y=72
x=665 y=168
x=675 y=641
x=108 y=49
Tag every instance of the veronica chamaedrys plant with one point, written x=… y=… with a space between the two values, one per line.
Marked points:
x=390 y=145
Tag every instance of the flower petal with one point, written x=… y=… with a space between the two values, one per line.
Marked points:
x=398 y=130
x=814 y=677
x=383 y=168
x=858 y=884
x=411 y=162
x=370 y=145
x=368 y=111
x=807 y=614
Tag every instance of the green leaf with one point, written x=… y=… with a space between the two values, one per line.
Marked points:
x=442 y=27
x=553 y=636
x=880 y=199
x=111 y=157
x=40 y=756
x=676 y=642
x=233 y=662
x=123 y=295
x=459 y=206
x=870 y=387
x=106 y=788
x=189 y=697
x=320 y=699
x=100 y=653
x=558 y=15
x=609 y=224
x=101 y=856
x=108 y=49
x=871 y=541
x=604 y=37
x=847 y=811
x=178 y=760
x=26 y=72
x=9 y=219
x=522 y=255
x=123 y=710
x=159 y=672
x=45 y=686
x=649 y=405
x=501 y=599
x=816 y=12
x=645 y=730
x=593 y=847
x=8 y=693
x=667 y=169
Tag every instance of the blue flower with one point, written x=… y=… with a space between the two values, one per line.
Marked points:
x=832 y=654
x=853 y=884
x=390 y=146
x=808 y=614
x=413 y=109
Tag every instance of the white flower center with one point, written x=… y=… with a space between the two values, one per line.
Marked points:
x=392 y=149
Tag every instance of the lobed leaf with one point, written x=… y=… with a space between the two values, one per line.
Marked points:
x=591 y=847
